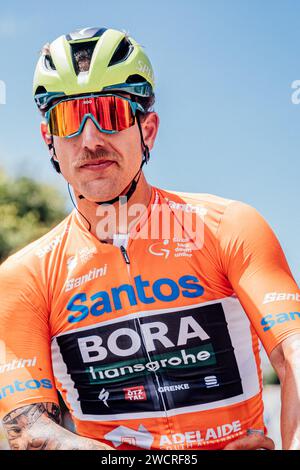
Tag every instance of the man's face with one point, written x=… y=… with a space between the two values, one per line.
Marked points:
x=99 y=165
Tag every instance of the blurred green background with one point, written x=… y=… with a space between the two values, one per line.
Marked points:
x=28 y=209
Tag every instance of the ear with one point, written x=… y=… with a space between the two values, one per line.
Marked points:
x=48 y=139
x=150 y=125
x=44 y=131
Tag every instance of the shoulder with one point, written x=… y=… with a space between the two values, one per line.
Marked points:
x=226 y=219
x=212 y=207
x=205 y=198
x=224 y=207
x=209 y=202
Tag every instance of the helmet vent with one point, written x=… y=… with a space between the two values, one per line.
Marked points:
x=82 y=55
x=85 y=33
x=40 y=89
x=49 y=64
x=122 y=52
x=135 y=79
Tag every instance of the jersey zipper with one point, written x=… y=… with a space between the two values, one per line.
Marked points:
x=160 y=396
x=125 y=254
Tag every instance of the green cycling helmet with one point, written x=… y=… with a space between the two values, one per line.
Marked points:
x=117 y=63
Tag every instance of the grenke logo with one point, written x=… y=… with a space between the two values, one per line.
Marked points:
x=164 y=289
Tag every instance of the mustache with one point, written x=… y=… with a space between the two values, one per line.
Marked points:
x=88 y=156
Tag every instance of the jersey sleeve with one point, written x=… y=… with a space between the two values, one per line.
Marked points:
x=25 y=362
x=255 y=265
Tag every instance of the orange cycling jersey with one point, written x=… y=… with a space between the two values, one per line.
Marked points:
x=152 y=342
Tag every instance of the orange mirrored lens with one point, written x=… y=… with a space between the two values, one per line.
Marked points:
x=111 y=112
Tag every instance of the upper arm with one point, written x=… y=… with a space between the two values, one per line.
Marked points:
x=25 y=360
x=259 y=274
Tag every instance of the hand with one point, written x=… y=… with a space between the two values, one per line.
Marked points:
x=254 y=440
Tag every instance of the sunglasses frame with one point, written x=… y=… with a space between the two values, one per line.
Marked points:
x=133 y=104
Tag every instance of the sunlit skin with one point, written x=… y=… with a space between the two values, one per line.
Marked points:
x=123 y=149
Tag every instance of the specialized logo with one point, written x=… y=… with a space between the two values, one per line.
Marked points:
x=271 y=320
x=90 y=276
x=280 y=297
x=19 y=386
x=123 y=435
x=135 y=393
x=144 y=68
x=17 y=364
x=187 y=351
x=104 y=396
x=164 y=289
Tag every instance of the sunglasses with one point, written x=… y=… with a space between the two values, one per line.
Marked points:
x=110 y=113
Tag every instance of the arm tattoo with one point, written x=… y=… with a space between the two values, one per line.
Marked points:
x=36 y=427
x=31 y=414
x=19 y=422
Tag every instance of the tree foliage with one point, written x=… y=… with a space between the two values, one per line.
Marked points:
x=28 y=210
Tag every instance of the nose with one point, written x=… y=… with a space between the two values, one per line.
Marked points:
x=91 y=137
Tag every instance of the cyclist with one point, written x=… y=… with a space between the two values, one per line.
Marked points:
x=144 y=308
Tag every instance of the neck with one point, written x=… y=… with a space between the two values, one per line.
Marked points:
x=117 y=218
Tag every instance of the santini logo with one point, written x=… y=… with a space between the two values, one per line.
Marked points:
x=164 y=290
x=78 y=281
x=280 y=297
x=17 y=364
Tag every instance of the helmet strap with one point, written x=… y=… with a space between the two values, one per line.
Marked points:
x=53 y=156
